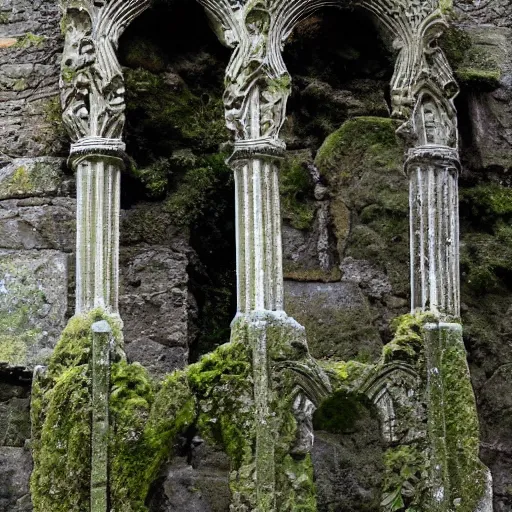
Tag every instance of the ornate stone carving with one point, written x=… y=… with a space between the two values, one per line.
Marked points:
x=92 y=87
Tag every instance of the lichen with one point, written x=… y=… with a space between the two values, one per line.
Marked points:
x=29 y=39
x=20 y=303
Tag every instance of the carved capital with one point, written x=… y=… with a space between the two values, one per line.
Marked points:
x=440 y=157
x=107 y=149
x=92 y=85
x=257 y=82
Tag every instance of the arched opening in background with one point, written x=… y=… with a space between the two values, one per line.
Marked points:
x=348 y=454
x=175 y=132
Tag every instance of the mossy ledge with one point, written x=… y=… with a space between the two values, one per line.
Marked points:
x=213 y=395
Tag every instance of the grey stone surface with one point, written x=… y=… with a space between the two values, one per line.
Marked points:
x=372 y=280
x=196 y=483
x=497 y=12
x=14 y=412
x=156 y=306
x=496 y=413
x=33 y=304
x=337 y=318
x=348 y=467
x=490 y=113
x=29 y=78
x=15 y=468
x=38 y=224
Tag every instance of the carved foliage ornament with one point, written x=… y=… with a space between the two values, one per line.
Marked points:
x=258 y=84
x=92 y=86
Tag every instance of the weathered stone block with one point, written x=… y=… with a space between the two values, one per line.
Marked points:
x=33 y=304
x=337 y=318
x=15 y=468
x=32 y=177
x=156 y=306
x=197 y=485
x=38 y=224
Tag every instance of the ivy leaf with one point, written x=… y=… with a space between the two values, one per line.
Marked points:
x=393 y=501
x=408 y=489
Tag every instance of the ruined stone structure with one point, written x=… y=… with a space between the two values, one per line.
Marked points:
x=102 y=429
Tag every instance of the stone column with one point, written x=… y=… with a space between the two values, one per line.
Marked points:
x=257 y=90
x=98 y=163
x=101 y=341
x=434 y=229
x=92 y=97
x=258 y=229
x=93 y=105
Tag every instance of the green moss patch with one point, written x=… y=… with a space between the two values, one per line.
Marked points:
x=170 y=116
x=474 y=63
x=297 y=191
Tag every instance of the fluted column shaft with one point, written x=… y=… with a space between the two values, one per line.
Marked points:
x=434 y=229
x=98 y=166
x=258 y=235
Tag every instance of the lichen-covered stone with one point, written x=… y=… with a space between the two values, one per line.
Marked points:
x=31 y=177
x=33 y=305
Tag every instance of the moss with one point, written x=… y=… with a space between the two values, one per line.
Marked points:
x=367 y=140
x=468 y=477
x=345 y=376
x=68 y=74
x=12 y=350
x=480 y=79
x=28 y=40
x=363 y=164
x=30 y=181
x=21 y=301
x=222 y=382
x=61 y=419
x=301 y=495
x=407 y=343
x=20 y=85
x=55 y=137
x=405 y=480
x=143 y=53
x=486 y=259
x=145 y=424
x=61 y=477
x=343 y=333
x=170 y=116
x=474 y=65
x=197 y=190
x=296 y=188
x=297 y=272
x=487 y=202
